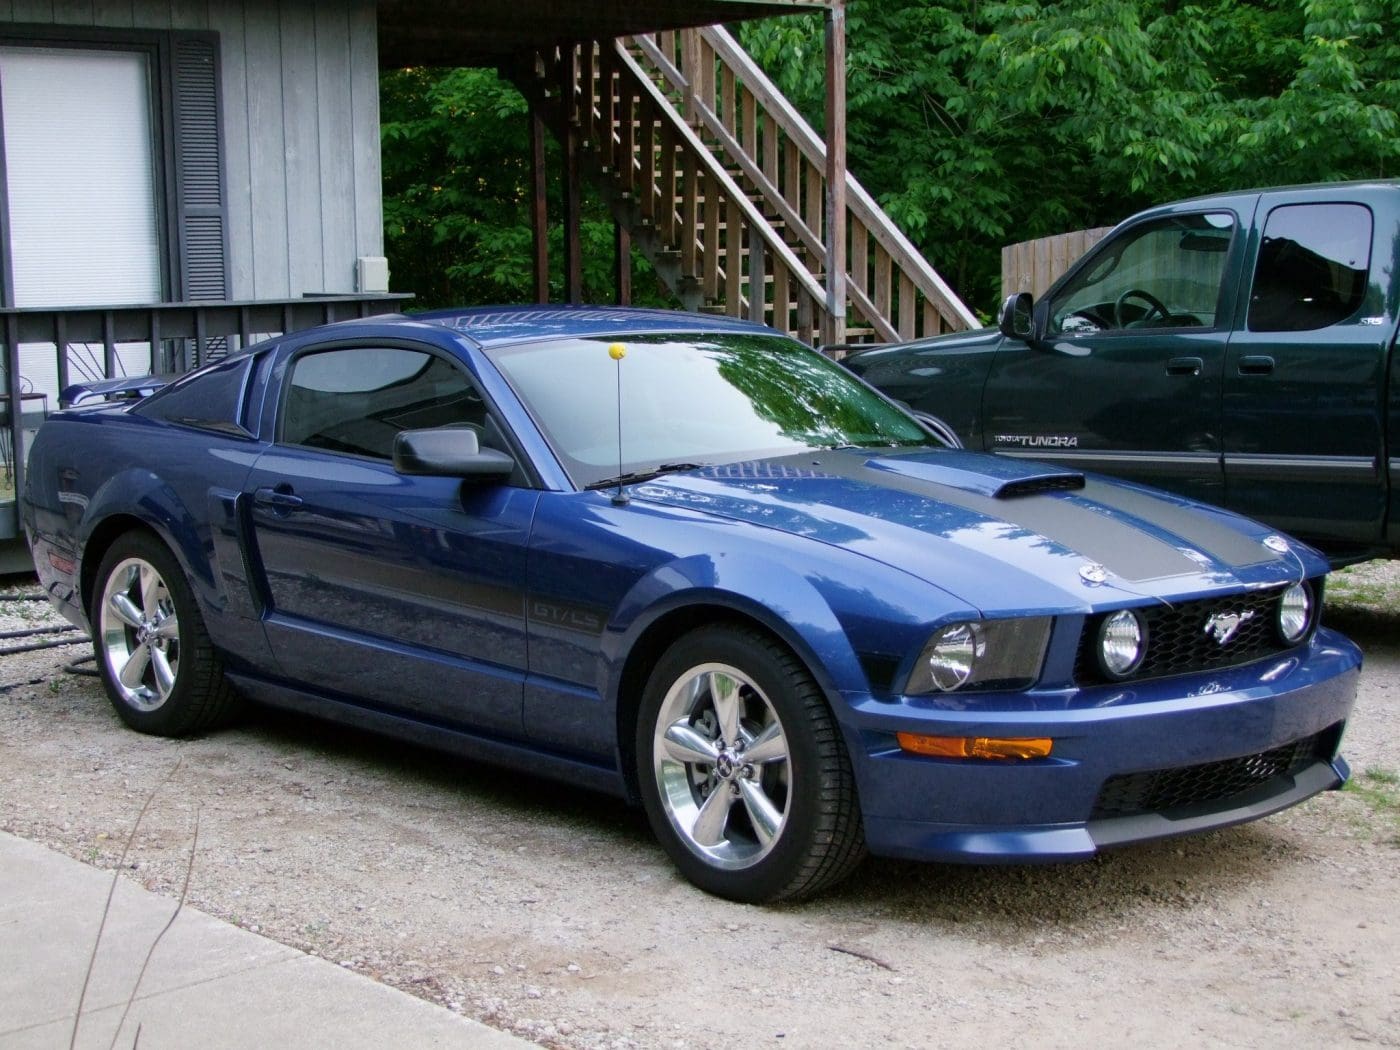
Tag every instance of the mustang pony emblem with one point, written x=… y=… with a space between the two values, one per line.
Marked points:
x=1223 y=626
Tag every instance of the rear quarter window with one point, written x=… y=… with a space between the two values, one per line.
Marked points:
x=210 y=399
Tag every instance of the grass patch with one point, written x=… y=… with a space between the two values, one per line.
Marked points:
x=1372 y=586
x=1380 y=790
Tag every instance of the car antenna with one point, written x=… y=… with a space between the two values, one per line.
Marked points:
x=617 y=352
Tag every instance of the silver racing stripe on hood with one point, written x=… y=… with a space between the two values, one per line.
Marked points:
x=1138 y=536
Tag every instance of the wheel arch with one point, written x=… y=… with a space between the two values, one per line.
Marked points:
x=99 y=542
x=658 y=636
x=140 y=499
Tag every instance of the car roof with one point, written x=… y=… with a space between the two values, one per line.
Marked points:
x=499 y=325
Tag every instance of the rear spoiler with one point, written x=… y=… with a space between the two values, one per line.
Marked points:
x=125 y=388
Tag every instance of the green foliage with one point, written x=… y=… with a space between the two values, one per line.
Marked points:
x=975 y=124
x=981 y=124
x=457 y=193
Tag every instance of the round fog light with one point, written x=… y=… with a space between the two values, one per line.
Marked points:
x=1122 y=643
x=1294 y=613
x=953 y=654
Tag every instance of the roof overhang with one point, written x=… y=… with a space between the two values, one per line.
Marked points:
x=488 y=32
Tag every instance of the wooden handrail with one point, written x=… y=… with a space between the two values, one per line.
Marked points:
x=914 y=274
x=862 y=204
x=713 y=169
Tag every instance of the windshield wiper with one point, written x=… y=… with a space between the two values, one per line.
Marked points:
x=635 y=476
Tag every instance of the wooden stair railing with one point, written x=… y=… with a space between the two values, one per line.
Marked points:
x=707 y=239
x=767 y=146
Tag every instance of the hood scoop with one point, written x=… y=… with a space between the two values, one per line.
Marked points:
x=985 y=475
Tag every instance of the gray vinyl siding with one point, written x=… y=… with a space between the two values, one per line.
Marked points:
x=300 y=88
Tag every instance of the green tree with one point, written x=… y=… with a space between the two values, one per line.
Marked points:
x=981 y=124
x=457 y=194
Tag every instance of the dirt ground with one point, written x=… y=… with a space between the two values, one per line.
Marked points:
x=550 y=912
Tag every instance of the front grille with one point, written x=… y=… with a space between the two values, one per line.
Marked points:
x=1165 y=790
x=1177 y=641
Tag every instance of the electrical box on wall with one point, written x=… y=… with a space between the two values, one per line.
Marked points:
x=371 y=274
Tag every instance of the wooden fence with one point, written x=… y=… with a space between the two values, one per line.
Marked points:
x=1033 y=266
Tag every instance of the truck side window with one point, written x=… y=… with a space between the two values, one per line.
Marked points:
x=1162 y=274
x=1312 y=267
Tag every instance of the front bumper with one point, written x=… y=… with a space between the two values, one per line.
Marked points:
x=1052 y=809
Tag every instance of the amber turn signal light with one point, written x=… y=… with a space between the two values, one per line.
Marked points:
x=992 y=747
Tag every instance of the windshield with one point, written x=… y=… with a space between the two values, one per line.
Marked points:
x=692 y=399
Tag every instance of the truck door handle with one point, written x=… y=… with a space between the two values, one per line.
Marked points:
x=1185 y=366
x=280 y=498
x=1256 y=365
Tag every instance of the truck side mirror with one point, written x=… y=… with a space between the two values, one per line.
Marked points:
x=1015 y=321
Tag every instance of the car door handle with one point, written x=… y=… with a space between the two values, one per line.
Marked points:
x=279 y=498
x=1185 y=366
x=1256 y=365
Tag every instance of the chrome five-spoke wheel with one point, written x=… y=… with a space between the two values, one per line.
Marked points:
x=139 y=634
x=721 y=762
x=153 y=652
x=742 y=768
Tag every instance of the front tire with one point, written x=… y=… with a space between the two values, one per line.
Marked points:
x=156 y=661
x=743 y=773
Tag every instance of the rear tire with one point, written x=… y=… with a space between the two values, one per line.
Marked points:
x=744 y=776
x=154 y=655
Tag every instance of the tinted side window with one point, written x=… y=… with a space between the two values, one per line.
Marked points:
x=1160 y=274
x=211 y=399
x=356 y=400
x=1312 y=267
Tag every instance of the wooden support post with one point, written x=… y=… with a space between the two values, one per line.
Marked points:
x=690 y=68
x=109 y=344
x=14 y=395
x=588 y=82
x=622 y=263
x=60 y=345
x=835 y=327
x=201 y=339
x=573 y=235
x=539 y=205
x=758 y=282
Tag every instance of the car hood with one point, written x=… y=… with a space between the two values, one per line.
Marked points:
x=1001 y=534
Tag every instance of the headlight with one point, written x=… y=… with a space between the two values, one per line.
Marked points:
x=1294 y=613
x=982 y=654
x=1122 y=643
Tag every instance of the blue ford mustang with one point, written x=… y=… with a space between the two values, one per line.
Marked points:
x=687 y=560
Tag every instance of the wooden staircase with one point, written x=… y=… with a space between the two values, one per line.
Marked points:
x=722 y=186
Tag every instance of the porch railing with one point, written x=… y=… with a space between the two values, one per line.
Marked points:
x=180 y=336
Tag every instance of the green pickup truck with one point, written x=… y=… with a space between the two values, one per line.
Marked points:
x=1235 y=348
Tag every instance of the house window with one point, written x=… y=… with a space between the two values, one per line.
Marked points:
x=80 y=177
x=111 y=183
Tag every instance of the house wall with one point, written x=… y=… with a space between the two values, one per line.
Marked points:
x=300 y=129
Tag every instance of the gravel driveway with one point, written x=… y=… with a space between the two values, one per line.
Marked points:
x=550 y=912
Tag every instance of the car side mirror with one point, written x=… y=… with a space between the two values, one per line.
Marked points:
x=449 y=452
x=1015 y=320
